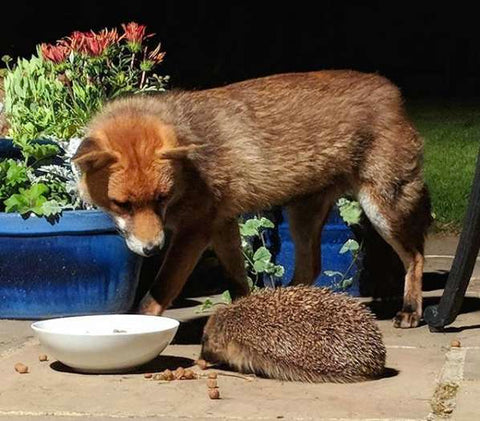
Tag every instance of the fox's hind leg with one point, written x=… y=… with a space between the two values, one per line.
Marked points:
x=402 y=221
x=306 y=217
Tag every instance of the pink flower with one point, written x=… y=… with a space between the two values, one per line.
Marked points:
x=91 y=43
x=135 y=34
x=56 y=53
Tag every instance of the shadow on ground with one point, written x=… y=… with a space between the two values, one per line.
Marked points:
x=161 y=363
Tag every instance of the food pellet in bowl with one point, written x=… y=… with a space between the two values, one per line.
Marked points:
x=21 y=368
x=42 y=357
x=148 y=375
x=455 y=343
x=212 y=375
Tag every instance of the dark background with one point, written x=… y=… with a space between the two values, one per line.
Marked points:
x=427 y=48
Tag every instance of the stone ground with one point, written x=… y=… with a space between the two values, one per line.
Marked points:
x=427 y=379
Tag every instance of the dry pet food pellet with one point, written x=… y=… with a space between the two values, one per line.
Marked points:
x=168 y=375
x=202 y=364
x=214 y=393
x=189 y=374
x=42 y=357
x=455 y=343
x=159 y=376
x=179 y=373
x=212 y=383
x=212 y=375
x=148 y=375
x=21 y=368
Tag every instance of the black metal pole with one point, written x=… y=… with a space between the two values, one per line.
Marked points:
x=446 y=311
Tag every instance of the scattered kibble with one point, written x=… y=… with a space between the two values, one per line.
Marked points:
x=189 y=375
x=212 y=375
x=42 y=357
x=148 y=375
x=214 y=393
x=202 y=364
x=212 y=383
x=21 y=368
x=455 y=343
x=179 y=373
x=168 y=375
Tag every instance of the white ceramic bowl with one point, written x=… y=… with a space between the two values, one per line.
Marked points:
x=105 y=343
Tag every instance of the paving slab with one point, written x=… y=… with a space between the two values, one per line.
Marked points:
x=416 y=358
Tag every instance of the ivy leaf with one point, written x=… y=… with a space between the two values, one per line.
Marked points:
x=279 y=271
x=205 y=306
x=260 y=266
x=266 y=223
x=350 y=245
x=226 y=297
x=332 y=273
x=262 y=254
x=347 y=283
x=350 y=211
x=250 y=228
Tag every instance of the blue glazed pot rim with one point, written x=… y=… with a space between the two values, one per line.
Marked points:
x=70 y=222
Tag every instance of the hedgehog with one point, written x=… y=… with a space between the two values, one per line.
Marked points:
x=299 y=333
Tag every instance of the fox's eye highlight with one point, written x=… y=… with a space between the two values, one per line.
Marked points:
x=126 y=206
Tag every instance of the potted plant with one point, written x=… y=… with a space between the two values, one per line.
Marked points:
x=57 y=256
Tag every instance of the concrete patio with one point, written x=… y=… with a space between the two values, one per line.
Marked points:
x=427 y=379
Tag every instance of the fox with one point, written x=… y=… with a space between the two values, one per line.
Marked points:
x=188 y=163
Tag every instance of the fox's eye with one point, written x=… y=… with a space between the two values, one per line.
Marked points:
x=161 y=198
x=126 y=206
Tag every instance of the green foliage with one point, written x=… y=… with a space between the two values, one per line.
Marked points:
x=350 y=211
x=258 y=261
x=451 y=131
x=52 y=96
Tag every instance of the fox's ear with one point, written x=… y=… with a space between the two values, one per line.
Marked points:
x=180 y=152
x=91 y=157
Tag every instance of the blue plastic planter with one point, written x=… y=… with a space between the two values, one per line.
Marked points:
x=79 y=265
x=335 y=234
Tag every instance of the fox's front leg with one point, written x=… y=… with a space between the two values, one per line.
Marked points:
x=182 y=256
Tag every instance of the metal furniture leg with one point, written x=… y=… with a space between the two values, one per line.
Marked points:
x=438 y=316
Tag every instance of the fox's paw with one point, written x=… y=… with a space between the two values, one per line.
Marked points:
x=150 y=306
x=406 y=320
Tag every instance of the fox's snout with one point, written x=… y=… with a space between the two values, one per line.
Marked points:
x=140 y=243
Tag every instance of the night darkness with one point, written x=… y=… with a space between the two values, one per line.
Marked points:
x=425 y=48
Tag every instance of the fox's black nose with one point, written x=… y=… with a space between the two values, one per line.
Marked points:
x=151 y=250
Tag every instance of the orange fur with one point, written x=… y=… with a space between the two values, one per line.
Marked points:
x=191 y=162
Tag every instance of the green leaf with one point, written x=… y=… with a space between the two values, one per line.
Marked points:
x=349 y=245
x=266 y=223
x=205 y=306
x=262 y=255
x=279 y=271
x=51 y=207
x=347 y=283
x=16 y=173
x=226 y=297
x=260 y=266
x=28 y=200
x=350 y=211
x=250 y=228
x=332 y=273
